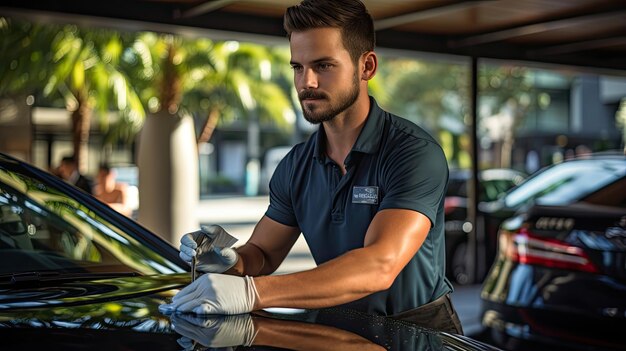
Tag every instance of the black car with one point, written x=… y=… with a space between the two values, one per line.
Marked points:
x=564 y=183
x=492 y=184
x=560 y=273
x=76 y=275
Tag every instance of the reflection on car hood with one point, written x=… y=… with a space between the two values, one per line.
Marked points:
x=122 y=314
x=69 y=293
x=112 y=314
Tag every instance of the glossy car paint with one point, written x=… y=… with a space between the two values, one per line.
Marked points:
x=114 y=314
x=559 y=281
x=128 y=319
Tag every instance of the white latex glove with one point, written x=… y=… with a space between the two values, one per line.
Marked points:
x=214 y=331
x=213 y=260
x=215 y=294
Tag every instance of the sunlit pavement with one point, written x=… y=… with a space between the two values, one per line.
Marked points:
x=466 y=299
x=238 y=215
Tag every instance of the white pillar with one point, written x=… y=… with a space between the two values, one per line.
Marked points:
x=168 y=176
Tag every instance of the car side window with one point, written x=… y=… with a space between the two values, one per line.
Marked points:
x=611 y=195
x=566 y=182
x=12 y=227
x=42 y=229
x=491 y=190
x=28 y=227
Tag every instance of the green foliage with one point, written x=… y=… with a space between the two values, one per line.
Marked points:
x=74 y=64
x=620 y=118
x=26 y=54
x=424 y=92
x=236 y=79
x=131 y=73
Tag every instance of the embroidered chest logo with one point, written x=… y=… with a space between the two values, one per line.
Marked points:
x=365 y=195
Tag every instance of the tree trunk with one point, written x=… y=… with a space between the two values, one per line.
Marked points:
x=209 y=126
x=171 y=82
x=168 y=176
x=81 y=123
x=507 y=150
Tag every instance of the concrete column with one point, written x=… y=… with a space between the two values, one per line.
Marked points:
x=168 y=176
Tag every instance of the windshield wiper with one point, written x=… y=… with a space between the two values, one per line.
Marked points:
x=35 y=278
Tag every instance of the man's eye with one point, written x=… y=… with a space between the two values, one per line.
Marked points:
x=324 y=66
x=296 y=68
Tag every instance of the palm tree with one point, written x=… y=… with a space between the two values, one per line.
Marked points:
x=167 y=154
x=223 y=79
x=87 y=74
x=26 y=54
x=82 y=66
x=249 y=85
x=23 y=67
x=245 y=82
x=509 y=92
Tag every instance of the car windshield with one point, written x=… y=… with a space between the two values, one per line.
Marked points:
x=43 y=230
x=567 y=182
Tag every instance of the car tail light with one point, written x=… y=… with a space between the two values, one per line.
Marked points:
x=530 y=249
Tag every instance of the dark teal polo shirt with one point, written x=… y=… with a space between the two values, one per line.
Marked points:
x=393 y=164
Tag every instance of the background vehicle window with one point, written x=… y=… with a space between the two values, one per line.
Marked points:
x=567 y=182
x=612 y=195
x=491 y=190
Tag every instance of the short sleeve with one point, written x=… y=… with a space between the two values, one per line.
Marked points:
x=281 y=206
x=415 y=177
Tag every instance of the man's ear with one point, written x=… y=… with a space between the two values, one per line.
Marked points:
x=370 y=65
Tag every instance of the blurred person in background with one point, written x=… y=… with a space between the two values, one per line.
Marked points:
x=112 y=192
x=68 y=171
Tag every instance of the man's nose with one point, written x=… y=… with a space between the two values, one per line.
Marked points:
x=309 y=79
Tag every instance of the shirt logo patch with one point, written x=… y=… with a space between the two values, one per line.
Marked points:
x=365 y=195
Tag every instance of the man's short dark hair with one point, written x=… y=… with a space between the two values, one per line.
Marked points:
x=350 y=16
x=69 y=159
x=105 y=167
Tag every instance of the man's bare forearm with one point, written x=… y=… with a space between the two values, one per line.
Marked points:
x=266 y=249
x=251 y=261
x=349 y=277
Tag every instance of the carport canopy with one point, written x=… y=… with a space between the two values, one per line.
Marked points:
x=584 y=33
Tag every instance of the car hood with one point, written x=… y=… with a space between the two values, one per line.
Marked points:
x=64 y=292
x=113 y=314
x=122 y=314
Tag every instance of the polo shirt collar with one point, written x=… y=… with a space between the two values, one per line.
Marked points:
x=368 y=141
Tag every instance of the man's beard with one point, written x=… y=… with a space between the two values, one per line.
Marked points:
x=321 y=114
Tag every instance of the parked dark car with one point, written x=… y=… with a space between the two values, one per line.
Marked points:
x=560 y=273
x=492 y=184
x=76 y=275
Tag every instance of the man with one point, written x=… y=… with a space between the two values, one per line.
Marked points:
x=68 y=170
x=111 y=192
x=366 y=191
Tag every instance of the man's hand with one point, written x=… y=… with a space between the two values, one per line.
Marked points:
x=214 y=331
x=215 y=294
x=210 y=260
